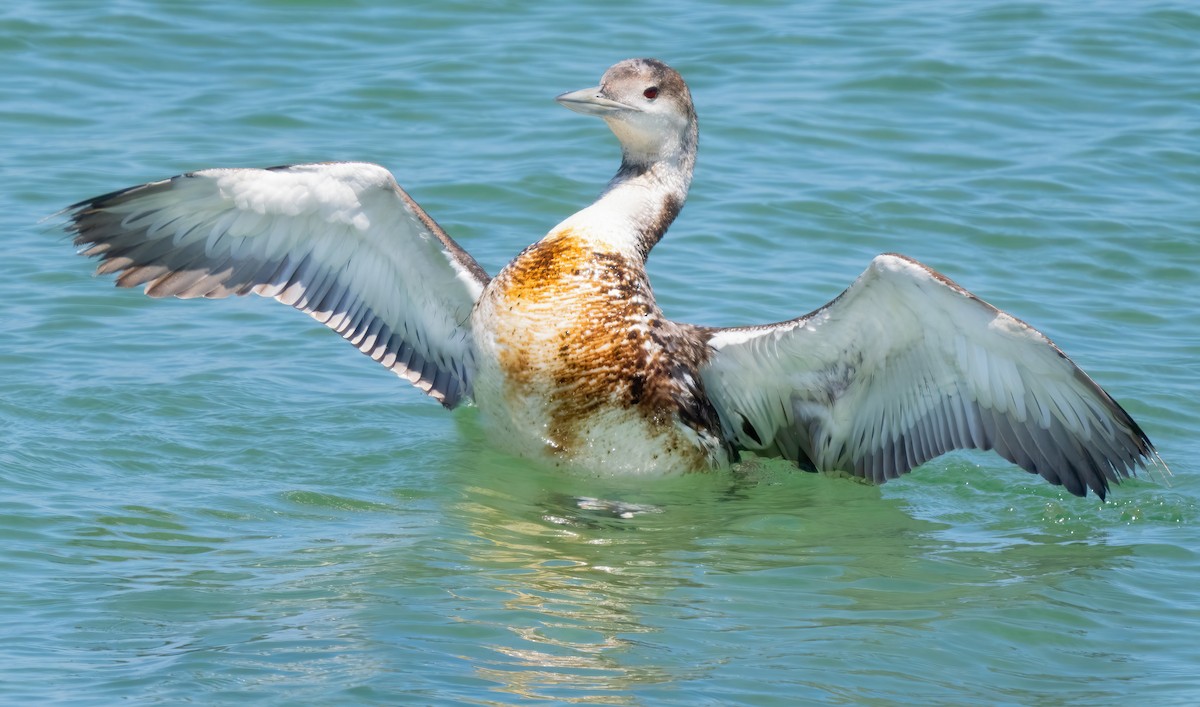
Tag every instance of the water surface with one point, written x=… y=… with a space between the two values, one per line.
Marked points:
x=221 y=502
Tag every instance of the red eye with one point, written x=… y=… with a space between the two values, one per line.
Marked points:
x=651 y=92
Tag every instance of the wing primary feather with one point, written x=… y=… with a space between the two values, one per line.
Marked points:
x=294 y=289
x=975 y=426
x=335 y=305
x=366 y=340
x=379 y=350
x=346 y=321
x=403 y=355
x=210 y=277
x=358 y=326
x=325 y=281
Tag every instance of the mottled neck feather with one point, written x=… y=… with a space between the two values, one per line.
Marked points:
x=651 y=191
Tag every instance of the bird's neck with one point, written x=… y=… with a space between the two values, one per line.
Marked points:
x=638 y=205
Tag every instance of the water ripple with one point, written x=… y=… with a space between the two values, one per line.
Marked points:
x=217 y=502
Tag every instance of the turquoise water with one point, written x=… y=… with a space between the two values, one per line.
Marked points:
x=220 y=502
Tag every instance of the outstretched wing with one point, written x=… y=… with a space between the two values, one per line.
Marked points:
x=905 y=365
x=339 y=241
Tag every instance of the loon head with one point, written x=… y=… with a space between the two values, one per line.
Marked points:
x=648 y=107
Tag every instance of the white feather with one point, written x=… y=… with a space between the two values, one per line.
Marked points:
x=900 y=360
x=315 y=236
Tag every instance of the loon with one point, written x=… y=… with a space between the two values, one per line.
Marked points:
x=566 y=353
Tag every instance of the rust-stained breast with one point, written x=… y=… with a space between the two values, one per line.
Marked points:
x=577 y=329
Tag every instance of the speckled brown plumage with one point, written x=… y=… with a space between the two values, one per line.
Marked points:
x=602 y=342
